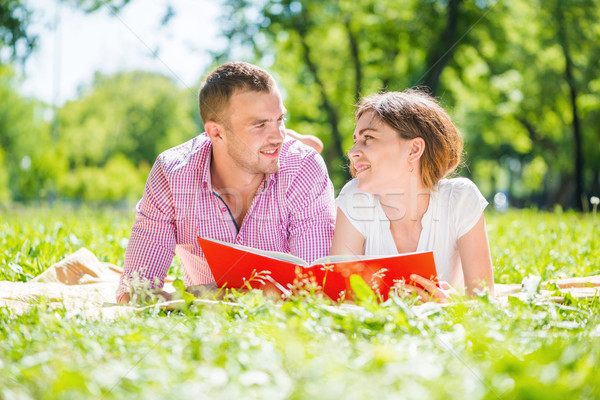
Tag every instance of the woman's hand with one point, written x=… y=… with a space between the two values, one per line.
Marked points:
x=430 y=291
x=309 y=140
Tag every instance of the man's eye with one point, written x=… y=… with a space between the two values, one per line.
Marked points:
x=367 y=137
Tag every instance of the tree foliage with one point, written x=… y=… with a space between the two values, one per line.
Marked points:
x=106 y=140
x=520 y=79
x=499 y=67
x=15 y=41
x=26 y=157
x=112 y=134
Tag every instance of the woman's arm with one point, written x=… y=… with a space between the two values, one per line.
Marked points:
x=346 y=238
x=308 y=140
x=476 y=260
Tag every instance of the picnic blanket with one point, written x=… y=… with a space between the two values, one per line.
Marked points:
x=77 y=282
x=83 y=283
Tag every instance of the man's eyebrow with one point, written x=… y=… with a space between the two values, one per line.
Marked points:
x=263 y=120
x=259 y=121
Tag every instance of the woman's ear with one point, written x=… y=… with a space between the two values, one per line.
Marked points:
x=417 y=147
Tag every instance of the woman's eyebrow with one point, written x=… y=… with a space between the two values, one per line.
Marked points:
x=368 y=128
x=362 y=132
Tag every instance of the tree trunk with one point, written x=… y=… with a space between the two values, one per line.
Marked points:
x=355 y=60
x=439 y=56
x=327 y=106
x=595 y=188
x=577 y=134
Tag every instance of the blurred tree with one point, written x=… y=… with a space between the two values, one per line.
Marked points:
x=5 y=195
x=109 y=136
x=572 y=19
x=94 y=5
x=123 y=120
x=15 y=41
x=329 y=53
x=138 y=114
x=516 y=76
x=529 y=118
x=29 y=165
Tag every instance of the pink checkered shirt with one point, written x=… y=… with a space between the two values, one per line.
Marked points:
x=293 y=211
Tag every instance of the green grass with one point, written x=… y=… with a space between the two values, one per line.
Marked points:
x=32 y=239
x=557 y=245
x=306 y=348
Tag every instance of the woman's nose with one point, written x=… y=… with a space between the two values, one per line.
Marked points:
x=354 y=151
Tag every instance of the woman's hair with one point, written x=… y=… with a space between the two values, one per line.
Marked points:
x=414 y=113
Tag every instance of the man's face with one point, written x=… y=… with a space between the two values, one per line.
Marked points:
x=255 y=131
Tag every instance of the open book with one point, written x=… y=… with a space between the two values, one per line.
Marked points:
x=236 y=266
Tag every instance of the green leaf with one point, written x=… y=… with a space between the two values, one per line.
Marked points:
x=362 y=291
x=188 y=297
x=179 y=286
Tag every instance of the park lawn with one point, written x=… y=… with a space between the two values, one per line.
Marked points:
x=306 y=347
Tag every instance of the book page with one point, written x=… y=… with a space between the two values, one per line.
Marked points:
x=272 y=254
x=359 y=257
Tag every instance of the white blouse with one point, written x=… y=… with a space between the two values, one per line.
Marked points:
x=455 y=206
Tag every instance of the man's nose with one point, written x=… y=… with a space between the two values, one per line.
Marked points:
x=278 y=133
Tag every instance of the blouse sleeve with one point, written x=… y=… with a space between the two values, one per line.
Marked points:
x=468 y=204
x=357 y=206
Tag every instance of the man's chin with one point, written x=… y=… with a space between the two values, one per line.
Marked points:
x=271 y=169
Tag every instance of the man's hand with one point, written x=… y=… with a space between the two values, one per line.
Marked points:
x=147 y=297
x=207 y=290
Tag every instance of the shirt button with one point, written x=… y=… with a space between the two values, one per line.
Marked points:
x=224 y=209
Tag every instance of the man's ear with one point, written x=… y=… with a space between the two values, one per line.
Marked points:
x=417 y=147
x=214 y=130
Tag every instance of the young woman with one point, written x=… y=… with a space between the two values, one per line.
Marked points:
x=399 y=202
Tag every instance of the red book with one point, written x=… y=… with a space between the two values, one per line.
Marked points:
x=233 y=265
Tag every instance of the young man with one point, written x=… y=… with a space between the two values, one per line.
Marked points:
x=242 y=181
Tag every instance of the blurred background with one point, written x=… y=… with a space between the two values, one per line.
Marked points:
x=91 y=91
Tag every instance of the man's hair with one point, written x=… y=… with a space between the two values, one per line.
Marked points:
x=414 y=113
x=224 y=81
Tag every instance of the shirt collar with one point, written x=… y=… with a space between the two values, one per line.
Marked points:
x=204 y=164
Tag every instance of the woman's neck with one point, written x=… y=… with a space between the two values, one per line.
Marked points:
x=406 y=204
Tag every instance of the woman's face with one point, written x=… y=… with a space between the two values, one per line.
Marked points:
x=379 y=156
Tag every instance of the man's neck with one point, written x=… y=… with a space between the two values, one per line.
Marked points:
x=236 y=187
x=229 y=177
